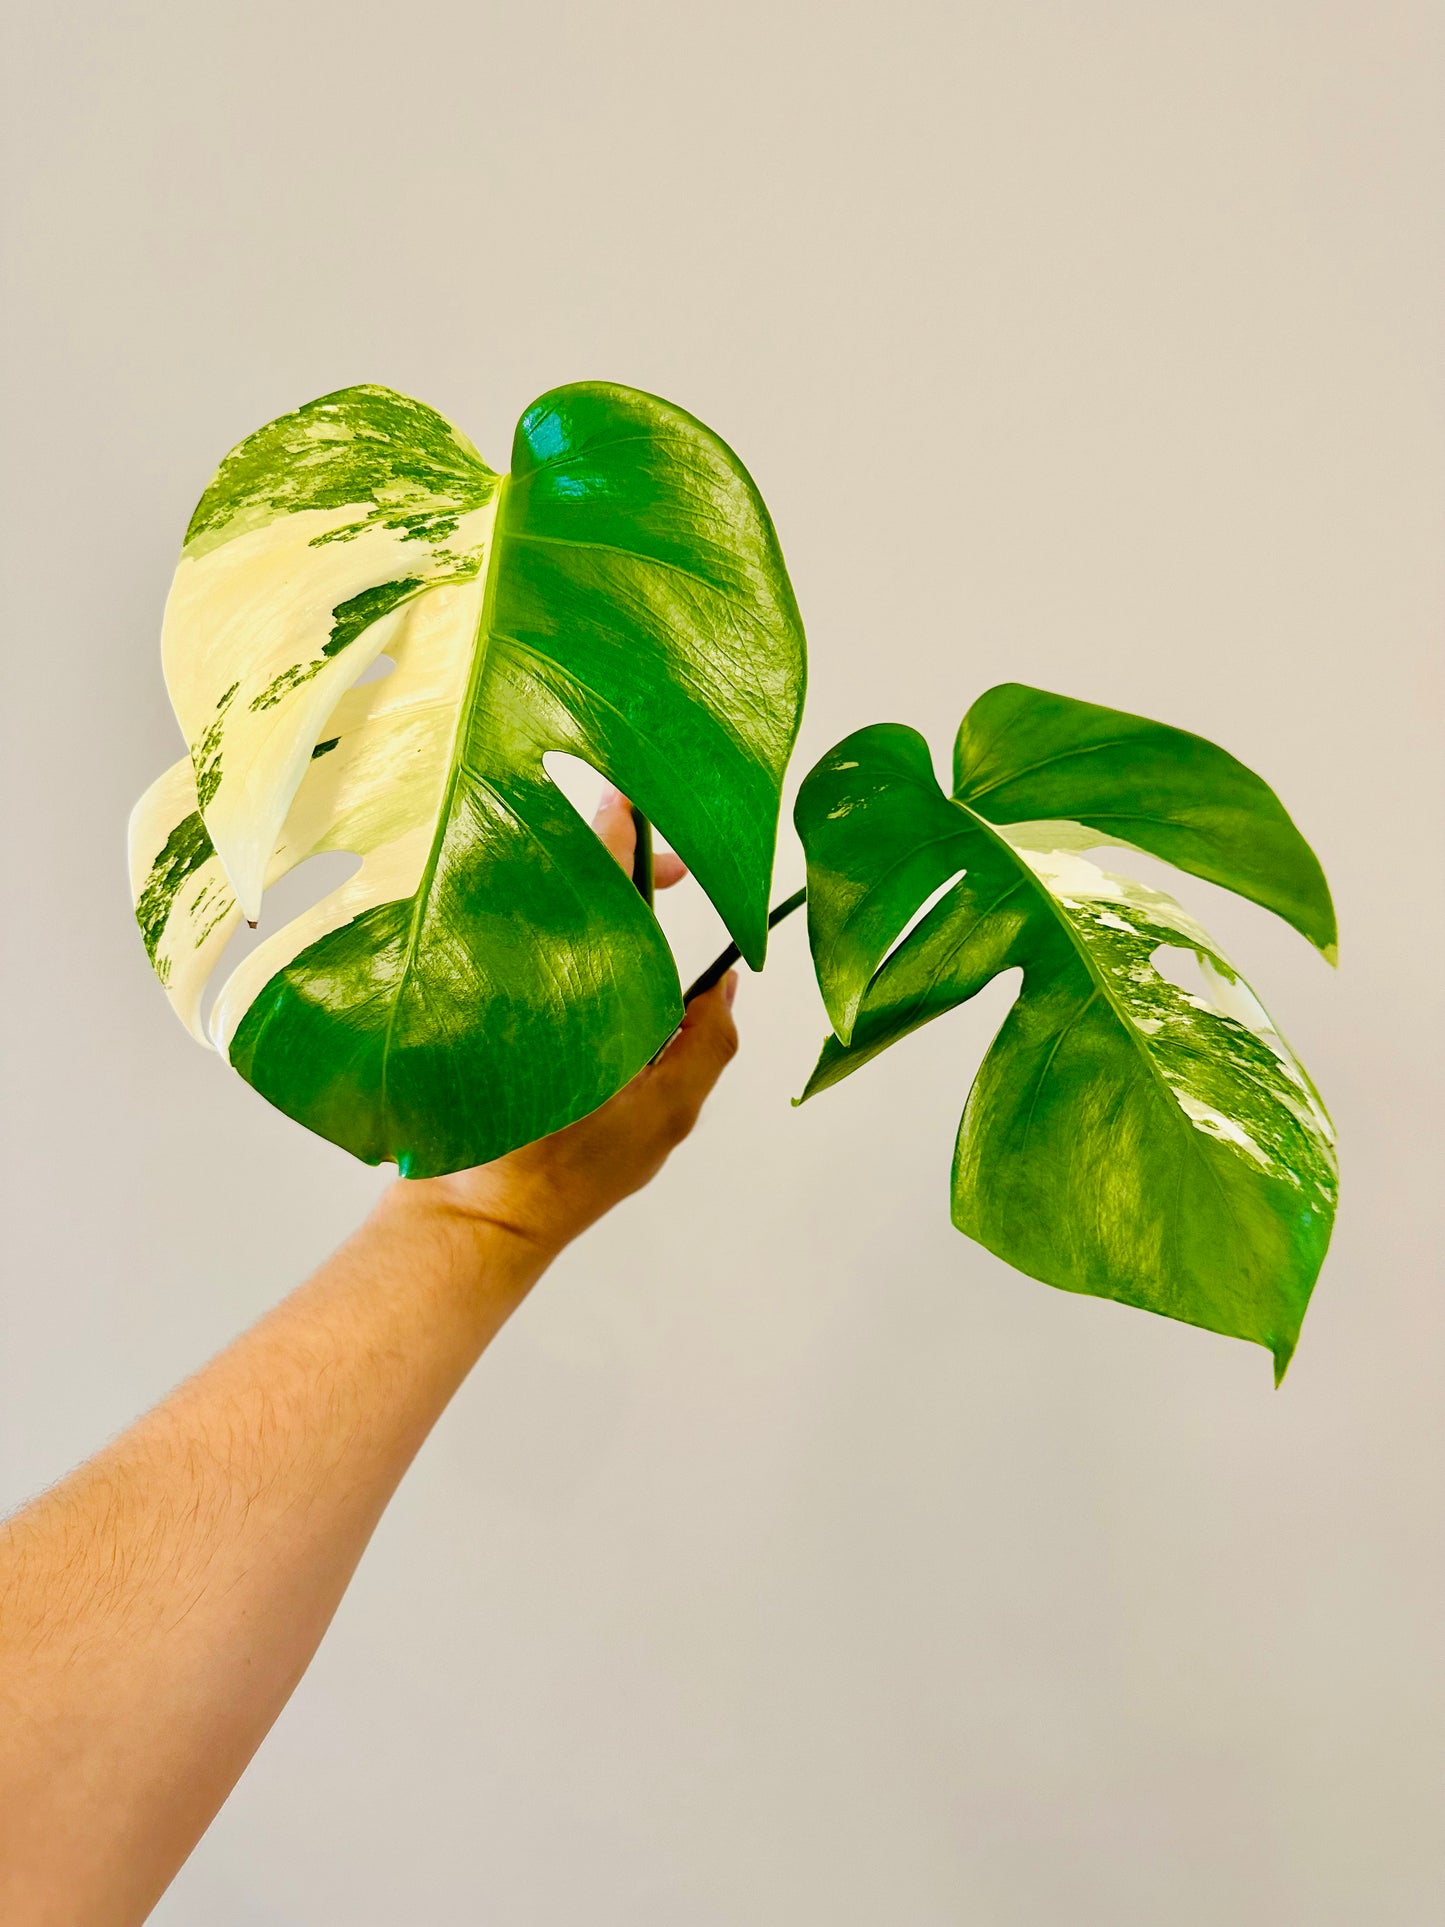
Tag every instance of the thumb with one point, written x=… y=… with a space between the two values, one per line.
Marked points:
x=696 y=1057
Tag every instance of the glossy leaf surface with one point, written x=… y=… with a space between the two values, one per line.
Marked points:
x=1124 y=1137
x=489 y=973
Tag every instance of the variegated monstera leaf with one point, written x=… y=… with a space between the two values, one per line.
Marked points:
x=1125 y=1137
x=489 y=973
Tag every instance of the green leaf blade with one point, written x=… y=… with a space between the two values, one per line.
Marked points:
x=1124 y=1138
x=426 y=1028
x=1128 y=1140
x=880 y=837
x=973 y=934
x=1026 y=755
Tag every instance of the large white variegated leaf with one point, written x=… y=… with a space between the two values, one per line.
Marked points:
x=488 y=973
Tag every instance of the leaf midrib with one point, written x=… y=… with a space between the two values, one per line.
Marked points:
x=1046 y=762
x=485 y=635
x=476 y=670
x=1101 y=989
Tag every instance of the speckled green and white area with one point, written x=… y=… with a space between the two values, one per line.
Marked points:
x=1124 y=1137
x=488 y=973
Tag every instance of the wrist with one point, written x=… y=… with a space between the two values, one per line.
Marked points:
x=495 y=1252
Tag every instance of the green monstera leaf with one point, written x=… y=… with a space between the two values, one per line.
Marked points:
x=1125 y=1137
x=489 y=973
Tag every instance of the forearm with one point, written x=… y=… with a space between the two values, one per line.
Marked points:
x=158 y=1607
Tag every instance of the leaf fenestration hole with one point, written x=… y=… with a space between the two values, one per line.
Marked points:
x=578 y=781
x=582 y=785
x=1180 y=966
x=288 y=897
x=376 y=671
x=933 y=897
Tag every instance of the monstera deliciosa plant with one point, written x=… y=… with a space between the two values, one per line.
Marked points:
x=489 y=974
x=1125 y=1137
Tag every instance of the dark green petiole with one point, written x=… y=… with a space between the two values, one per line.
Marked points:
x=642 y=856
x=720 y=966
x=642 y=877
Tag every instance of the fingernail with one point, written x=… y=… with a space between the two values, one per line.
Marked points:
x=611 y=796
x=730 y=988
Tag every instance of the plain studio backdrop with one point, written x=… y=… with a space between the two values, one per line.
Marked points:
x=789 y=1559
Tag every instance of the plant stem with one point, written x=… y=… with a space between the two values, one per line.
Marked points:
x=642 y=856
x=720 y=966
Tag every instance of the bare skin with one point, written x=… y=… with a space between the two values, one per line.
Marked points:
x=159 y=1605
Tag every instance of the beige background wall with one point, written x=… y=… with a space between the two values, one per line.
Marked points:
x=789 y=1560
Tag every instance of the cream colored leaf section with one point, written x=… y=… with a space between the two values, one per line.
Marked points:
x=245 y=643
x=1189 y=1039
x=1080 y=885
x=202 y=912
x=379 y=792
x=375 y=788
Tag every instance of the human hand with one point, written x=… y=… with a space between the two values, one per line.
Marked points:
x=548 y=1192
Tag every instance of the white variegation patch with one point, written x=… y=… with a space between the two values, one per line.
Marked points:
x=1057 y=835
x=245 y=639
x=1206 y=1118
x=1121 y=923
x=376 y=792
x=1075 y=882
